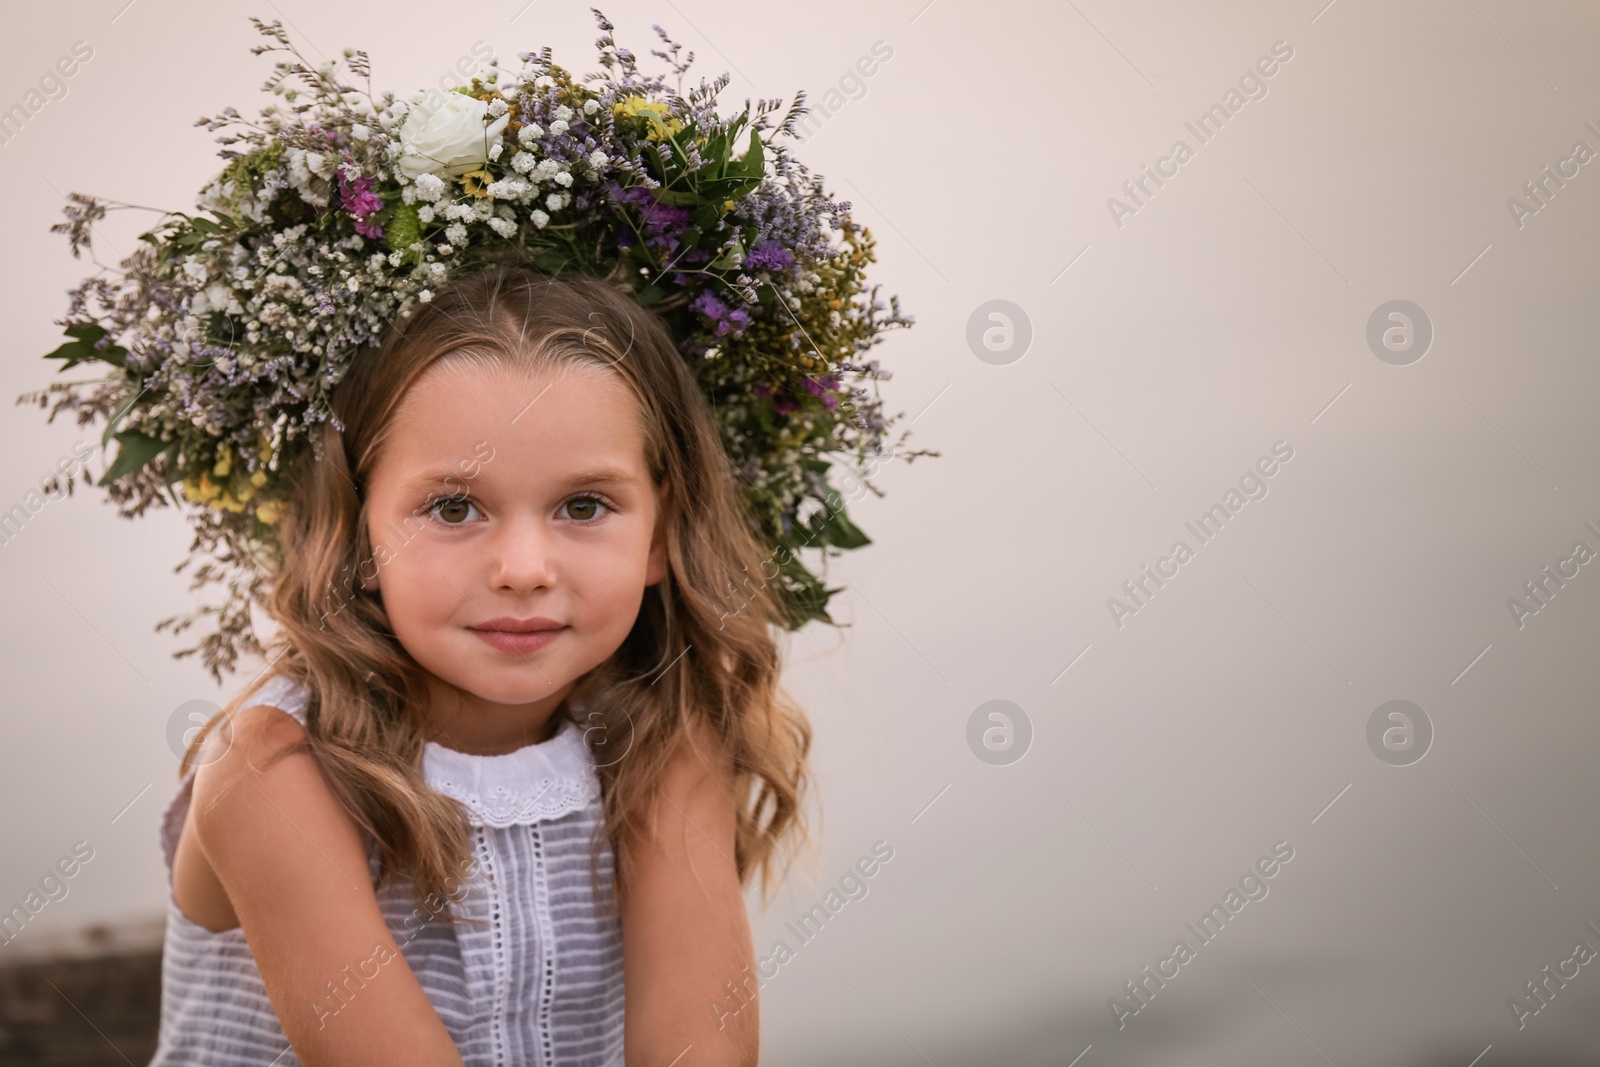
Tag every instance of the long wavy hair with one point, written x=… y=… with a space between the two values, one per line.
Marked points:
x=707 y=620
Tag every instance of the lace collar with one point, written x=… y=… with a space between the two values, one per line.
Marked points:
x=542 y=781
x=536 y=782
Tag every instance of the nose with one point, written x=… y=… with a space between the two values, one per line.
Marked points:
x=524 y=556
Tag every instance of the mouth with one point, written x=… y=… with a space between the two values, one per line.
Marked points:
x=517 y=641
x=518 y=635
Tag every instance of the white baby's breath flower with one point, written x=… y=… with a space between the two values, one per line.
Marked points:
x=554 y=201
x=430 y=186
x=495 y=150
x=425 y=213
x=564 y=179
x=523 y=162
x=360 y=132
x=558 y=127
x=590 y=106
x=529 y=133
x=539 y=219
x=425 y=296
x=195 y=269
x=597 y=158
x=564 y=113
x=457 y=233
x=503 y=227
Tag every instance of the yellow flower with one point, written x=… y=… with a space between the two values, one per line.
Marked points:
x=269 y=511
x=258 y=479
x=265 y=451
x=476 y=182
x=201 y=489
x=635 y=106
x=224 y=463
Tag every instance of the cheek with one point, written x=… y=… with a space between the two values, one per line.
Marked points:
x=611 y=582
x=412 y=582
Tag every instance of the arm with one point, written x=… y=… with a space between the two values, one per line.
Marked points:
x=684 y=929
x=294 y=867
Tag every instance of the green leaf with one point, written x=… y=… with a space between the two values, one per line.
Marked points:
x=842 y=533
x=136 y=451
x=650 y=294
x=551 y=260
x=706 y=215
x=82 y=349
x=675 y=197
x=116 y=419
x=753 y=165
x=725 y=261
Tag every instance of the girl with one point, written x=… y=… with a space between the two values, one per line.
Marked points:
x=516 y=758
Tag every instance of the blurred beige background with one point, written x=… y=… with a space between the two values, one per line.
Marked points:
x=1227 y=312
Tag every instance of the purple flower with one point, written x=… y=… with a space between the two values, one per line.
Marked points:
x=359 y=199
x=769 y=255
x=709 y=306
x=663 y=223
x=780 y=404
x=824 y=389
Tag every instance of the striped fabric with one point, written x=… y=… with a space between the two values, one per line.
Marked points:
x=539 y=984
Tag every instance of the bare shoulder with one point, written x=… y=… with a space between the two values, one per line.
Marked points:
x=701 y=761
x=685 y=931
x=292 y=863
x=260 y=731
x=255 y=743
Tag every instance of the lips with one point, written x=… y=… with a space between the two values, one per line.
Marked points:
x=529 y=636
x=506 y=624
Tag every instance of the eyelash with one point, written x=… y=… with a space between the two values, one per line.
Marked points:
x=431 y=508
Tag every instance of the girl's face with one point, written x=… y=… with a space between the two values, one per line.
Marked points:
x=506 y=494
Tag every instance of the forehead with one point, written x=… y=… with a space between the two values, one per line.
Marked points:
x=540 y=423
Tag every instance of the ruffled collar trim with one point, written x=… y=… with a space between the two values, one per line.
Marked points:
x=534 y=783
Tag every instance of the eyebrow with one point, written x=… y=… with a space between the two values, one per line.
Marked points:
x=600 y=475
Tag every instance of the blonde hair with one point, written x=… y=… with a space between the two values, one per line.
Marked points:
x=363 y=717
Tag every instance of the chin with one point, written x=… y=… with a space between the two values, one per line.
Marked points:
x=524 y=689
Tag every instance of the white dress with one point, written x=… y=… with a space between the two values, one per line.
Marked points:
x=539 y=984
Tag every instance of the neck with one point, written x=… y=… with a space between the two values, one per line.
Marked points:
x=466 y=723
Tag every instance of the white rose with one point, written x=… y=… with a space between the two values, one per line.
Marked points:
x=450 y=139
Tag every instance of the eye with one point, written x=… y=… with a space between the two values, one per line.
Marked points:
x=584 y=506
x=447 y=509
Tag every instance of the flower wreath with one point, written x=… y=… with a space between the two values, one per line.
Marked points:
x=338 y=213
